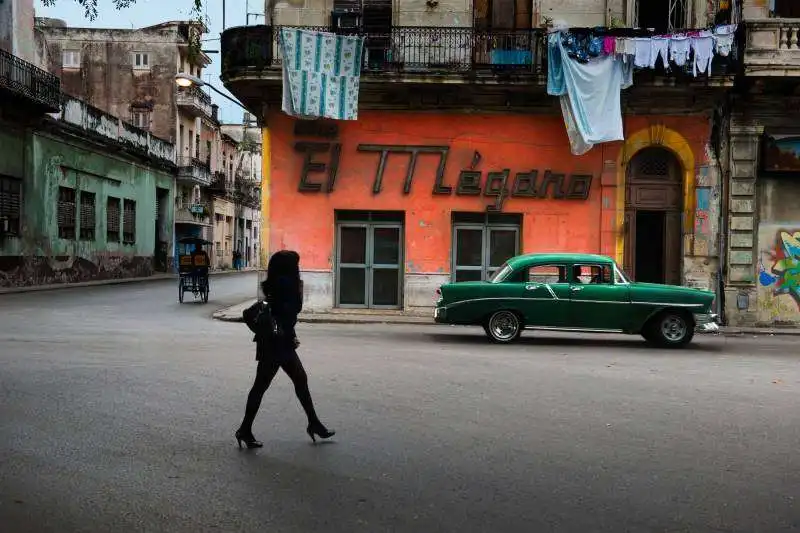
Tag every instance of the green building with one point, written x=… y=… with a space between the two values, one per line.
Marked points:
x=83 y=195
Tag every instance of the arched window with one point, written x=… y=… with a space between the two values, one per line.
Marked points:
x=654 y=163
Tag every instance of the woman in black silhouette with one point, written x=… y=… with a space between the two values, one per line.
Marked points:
x=283 y=291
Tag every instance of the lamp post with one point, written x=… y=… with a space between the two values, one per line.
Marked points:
x=187 y=80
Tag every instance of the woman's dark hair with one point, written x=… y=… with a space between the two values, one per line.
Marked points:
x=284 y=267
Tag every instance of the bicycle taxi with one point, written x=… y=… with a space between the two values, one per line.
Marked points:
x=193 y=269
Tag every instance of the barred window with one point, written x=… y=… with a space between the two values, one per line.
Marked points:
x=10 y=205
x=88 y=216
x=129 y=222
x=66 y=213
x=113 y=216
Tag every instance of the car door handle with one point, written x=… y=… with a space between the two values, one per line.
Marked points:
x=576 y=289
x=531 y=287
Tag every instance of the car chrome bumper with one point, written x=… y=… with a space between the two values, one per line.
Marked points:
x=439 y=314
x=707 y=323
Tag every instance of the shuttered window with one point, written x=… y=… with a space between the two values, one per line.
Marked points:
x=129 y=222
x=113 y=217
x=88 y=216
x=66 y=213
x=10 y=205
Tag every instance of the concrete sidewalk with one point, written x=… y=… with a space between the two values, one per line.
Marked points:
x=234 y=314
x=120 y=281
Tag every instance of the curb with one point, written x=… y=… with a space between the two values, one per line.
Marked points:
x=230 y=314
x=103 y=282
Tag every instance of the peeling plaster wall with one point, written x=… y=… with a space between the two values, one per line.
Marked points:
x=107 y=79
x=701 y=249
x=38 y=255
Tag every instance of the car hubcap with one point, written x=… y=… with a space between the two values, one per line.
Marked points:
x=674 y=328
x=504 y=326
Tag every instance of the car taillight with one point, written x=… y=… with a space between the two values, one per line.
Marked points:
x=438 y=292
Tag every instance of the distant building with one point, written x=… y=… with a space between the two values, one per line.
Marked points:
x=236 y=192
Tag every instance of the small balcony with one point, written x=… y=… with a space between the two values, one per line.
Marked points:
x=193 y=215
x=194 y=171
x=773 y=48
x=502 y=68
x=194 y=101
x=219 y=184
x=403 y=50
x=26 y=83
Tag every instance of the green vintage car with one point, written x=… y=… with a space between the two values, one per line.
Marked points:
x=575 y=292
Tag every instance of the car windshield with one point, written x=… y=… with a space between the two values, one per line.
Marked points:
x=501 y=273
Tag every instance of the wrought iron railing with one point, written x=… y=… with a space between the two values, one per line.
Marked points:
x=30 y=81
x=421 y=49
x=402 y=49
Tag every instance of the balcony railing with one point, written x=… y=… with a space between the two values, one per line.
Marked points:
x=195 y=100
x=219 y=183
x=773 y=47
x=27 y=80
x=194 y=171
x=194 y=214
x=406 y=49
x=254 y=51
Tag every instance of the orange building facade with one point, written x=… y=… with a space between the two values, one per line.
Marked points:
x=385 y=209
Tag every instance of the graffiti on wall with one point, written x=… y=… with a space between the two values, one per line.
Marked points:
x=783 y=275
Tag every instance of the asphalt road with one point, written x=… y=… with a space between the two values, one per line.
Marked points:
x=118 y=407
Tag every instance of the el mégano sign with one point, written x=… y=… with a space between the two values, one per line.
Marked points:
x=497 y=184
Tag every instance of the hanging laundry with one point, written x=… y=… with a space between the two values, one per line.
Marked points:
x=680 y=48
x=659 y=48
x=703 y=48
x=643 y=52
x=321 y=74
x=724 y=37
x=609 y=45
x=593 y=90
x=625 y=47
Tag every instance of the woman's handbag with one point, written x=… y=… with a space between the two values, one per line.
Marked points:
x=261 y=321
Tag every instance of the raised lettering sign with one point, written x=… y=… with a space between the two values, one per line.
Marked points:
x=498 y=184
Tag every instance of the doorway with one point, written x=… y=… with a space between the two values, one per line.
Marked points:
x=653 y=215
x=369 y=259
x=649 y=261
x=162 y=231
x=662 y=16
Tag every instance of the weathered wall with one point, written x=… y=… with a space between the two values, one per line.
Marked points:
x=6 y=27
x=459 y=13
x=779 y=251
x=16 y=28
x=107 y=79
x=39 y=256
x=12 y=152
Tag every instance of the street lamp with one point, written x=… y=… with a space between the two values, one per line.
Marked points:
x=187 y=80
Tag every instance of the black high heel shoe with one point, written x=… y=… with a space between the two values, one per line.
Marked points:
x=318 y=430
x=248 y=439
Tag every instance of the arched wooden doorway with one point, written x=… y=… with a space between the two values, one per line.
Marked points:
x=653 y=210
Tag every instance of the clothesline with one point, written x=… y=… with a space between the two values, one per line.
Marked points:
x=588 y=72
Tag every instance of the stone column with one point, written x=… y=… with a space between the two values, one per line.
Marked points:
x=740 y=286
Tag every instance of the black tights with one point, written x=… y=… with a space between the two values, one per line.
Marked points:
x=290 y=363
